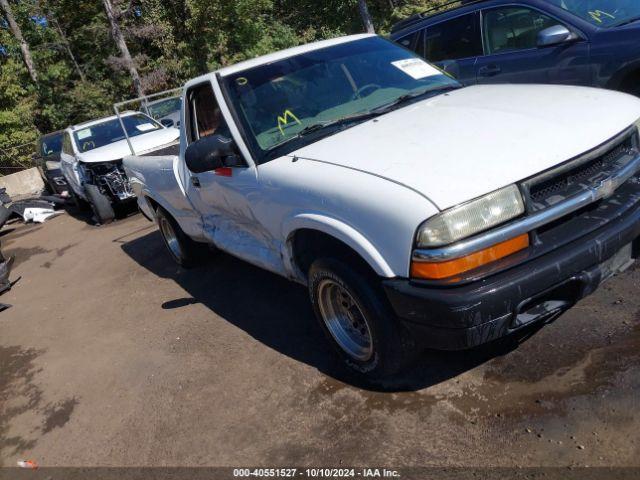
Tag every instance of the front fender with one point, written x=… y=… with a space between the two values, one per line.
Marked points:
x=71 y=173
x=339 y=230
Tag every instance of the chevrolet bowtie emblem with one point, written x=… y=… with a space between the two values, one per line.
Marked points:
x=605 y=189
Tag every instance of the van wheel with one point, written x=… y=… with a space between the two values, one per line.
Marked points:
x=184 y=251
x=100 y=204
x=357 y=320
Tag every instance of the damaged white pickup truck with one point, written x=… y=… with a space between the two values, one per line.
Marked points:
x=419 y=213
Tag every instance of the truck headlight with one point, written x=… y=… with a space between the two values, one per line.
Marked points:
x=471 y=218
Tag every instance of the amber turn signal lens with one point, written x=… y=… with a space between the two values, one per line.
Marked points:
x=438 y=271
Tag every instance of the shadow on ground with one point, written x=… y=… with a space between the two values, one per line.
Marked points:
x=85 y=214
x=277 y=313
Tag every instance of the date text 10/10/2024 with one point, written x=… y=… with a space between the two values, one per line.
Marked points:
x=315 y=473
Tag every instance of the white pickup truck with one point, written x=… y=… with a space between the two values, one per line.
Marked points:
x=418 y=213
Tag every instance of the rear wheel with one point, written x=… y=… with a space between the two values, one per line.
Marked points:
x=357 y=320
x=100 y=204
x=184 y=251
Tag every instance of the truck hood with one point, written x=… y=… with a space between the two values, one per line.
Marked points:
x=463 y=144
x=120 y=149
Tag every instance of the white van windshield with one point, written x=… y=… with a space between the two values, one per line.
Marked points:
x=106 y=133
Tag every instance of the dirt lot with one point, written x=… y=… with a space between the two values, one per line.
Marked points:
x=111 y=355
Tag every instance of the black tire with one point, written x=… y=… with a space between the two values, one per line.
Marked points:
x=391 y=346
x=185 y=252
x=100 y=204
x=79 y=203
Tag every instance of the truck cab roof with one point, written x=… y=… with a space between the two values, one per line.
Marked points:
x=274 y=57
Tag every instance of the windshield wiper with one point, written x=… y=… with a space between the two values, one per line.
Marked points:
x=338 y=122
x=412 y=96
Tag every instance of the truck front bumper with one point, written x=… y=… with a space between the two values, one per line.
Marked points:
x=461 y=317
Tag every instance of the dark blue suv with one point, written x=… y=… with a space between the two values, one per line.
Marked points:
x=577 y=42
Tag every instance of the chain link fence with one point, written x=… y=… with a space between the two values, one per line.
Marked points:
x=16 y=158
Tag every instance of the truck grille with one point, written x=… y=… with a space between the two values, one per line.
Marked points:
x=583 y=174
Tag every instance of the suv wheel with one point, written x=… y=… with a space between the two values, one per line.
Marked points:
x=357 y=320
x=100 y=204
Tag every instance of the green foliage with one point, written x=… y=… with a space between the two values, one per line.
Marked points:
x=171 y=41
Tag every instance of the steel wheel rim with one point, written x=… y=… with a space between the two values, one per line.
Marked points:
x=345 y=321
x=170 y=238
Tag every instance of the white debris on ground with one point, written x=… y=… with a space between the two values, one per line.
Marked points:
x=38 y=215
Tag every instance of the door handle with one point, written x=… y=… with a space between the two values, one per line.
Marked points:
x=195 y=181
x=489 y=71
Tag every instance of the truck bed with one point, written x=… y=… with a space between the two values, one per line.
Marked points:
x=155 y=174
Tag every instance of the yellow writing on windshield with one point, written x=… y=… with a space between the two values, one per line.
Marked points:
x=598 y=14
x=284 y=120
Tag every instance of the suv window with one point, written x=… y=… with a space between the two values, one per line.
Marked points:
x=66 y=145
x=412 y=42
x=513 y=28
x=454 y=39
x=51 y=144
x=205 y=117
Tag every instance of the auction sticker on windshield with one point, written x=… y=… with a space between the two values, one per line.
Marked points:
x=416 y=68
x=82 y=134
x=145 y=127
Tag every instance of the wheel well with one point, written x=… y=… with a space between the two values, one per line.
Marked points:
x=630 y=83
x=154 y=206
x=153 y=203
x=308 y=245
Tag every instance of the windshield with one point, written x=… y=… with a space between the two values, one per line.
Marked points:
x=603 y=13
x=51 y=145
x=108 y=132
x=279 y=100
x=164 y=107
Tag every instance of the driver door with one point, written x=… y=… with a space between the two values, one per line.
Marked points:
x=223 y=197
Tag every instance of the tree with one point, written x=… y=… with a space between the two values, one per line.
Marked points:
x=118 y=37
x=67 y=47
x=366 y=16
x=24 y=46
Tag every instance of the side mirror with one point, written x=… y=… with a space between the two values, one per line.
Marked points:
x=209 y=153
x=167 y=122
x=555 y=35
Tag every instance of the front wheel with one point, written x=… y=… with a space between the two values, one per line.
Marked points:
x=357 y=320
x=100 y=204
